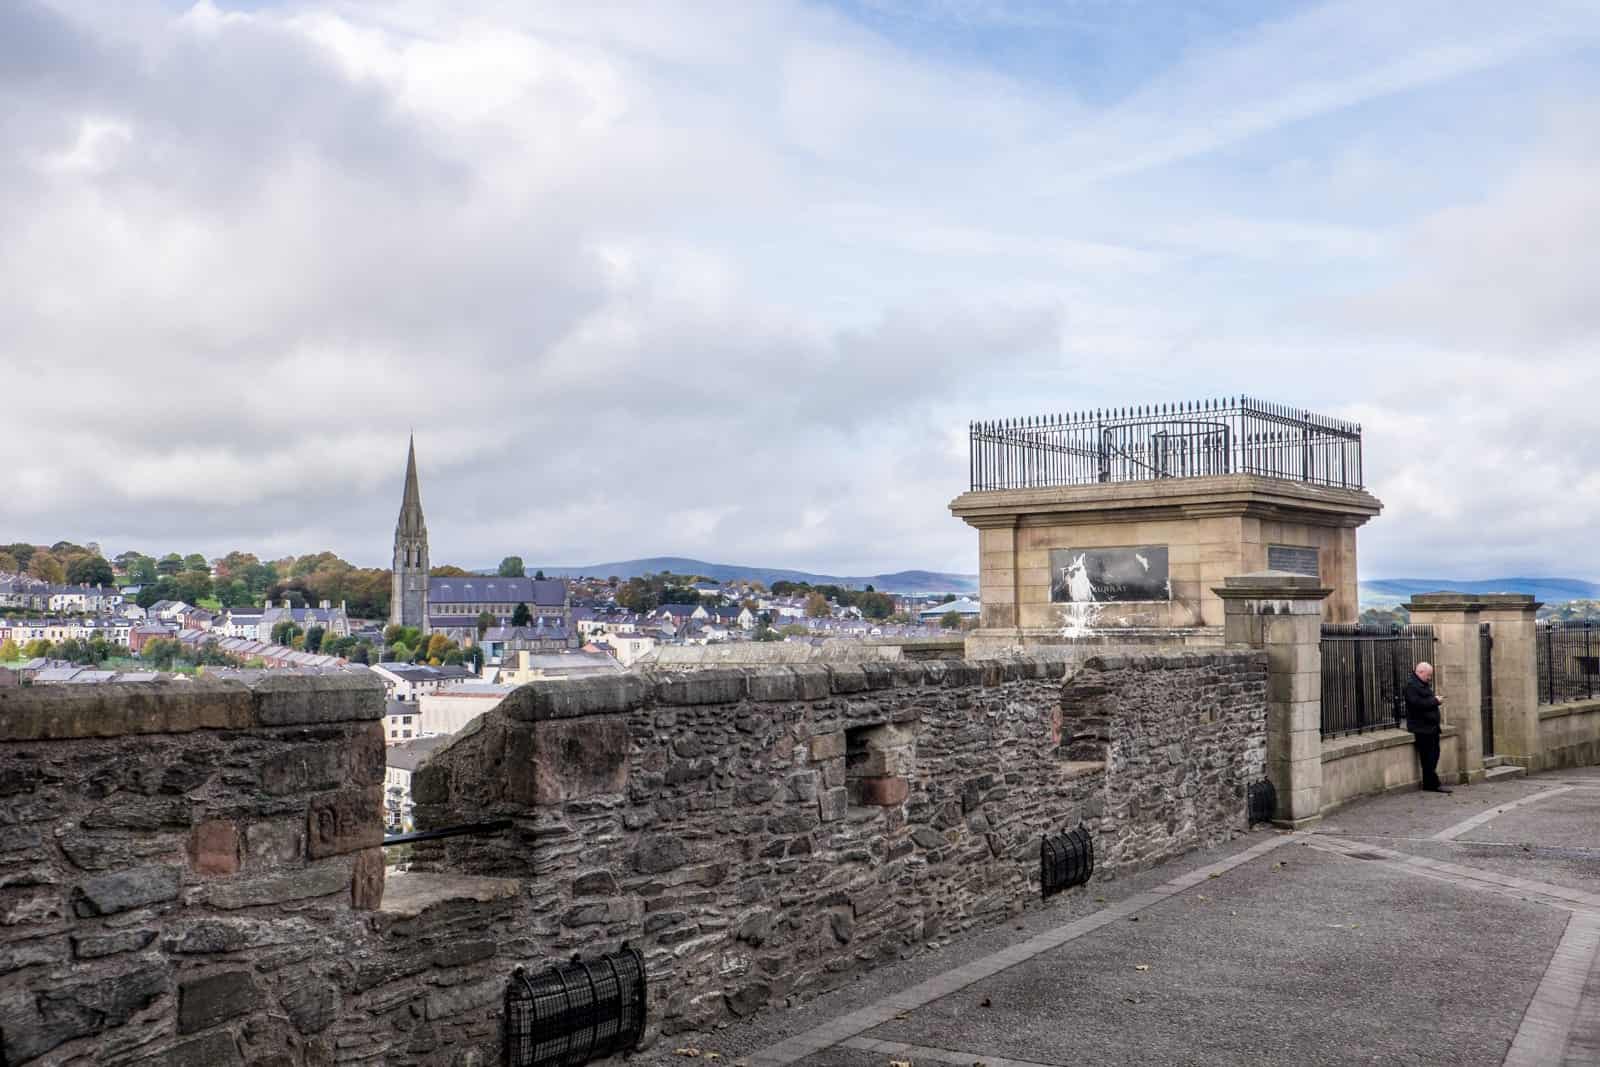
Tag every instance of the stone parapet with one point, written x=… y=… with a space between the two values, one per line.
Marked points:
x=767 y=833
x=73 y=712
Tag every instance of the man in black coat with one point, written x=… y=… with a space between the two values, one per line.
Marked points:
x=1422 y=719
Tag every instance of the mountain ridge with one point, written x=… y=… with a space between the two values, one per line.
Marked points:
x=906 y=581
x=1387 y=591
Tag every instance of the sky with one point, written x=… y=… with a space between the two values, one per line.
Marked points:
x=729 y=280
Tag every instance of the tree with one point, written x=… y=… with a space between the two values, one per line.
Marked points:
x=538 y=576
x=521 y=616
x=449 y=570
x=362 y=653
x=142 y=570
x=233 y=594
x=453 y=658
x=817 y=606
x=193 y=586
x=169 y=565
x=9 y=564
x=794 y=629
x=399 y=654
x=160 y=652
x=9 y=650
x=194 y=561
x=875 y=605
x=22 y=552
x=90 y=570
x=948 y=598
x=284 y=633
x=160 y=589
x=438 y=646
x=511 y=567
x=950 y=620
x=485 y=620
x=47 y=568
x=235 y=564
x=314 y=638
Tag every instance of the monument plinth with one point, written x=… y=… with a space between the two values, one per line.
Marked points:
x=1131 y=519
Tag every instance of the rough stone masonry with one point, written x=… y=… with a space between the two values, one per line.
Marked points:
x=189 y=872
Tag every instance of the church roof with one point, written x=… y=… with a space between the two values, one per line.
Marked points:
x=546 y=593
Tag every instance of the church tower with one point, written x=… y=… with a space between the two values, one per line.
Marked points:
x=408 y=600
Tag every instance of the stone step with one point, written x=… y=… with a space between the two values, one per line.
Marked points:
x=1490 y=762
x=1506 y=770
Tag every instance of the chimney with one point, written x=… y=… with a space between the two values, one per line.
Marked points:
x=325 y=605
x=285 y=603
x=342 y=610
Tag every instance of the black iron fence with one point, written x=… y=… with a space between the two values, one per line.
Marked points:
x=1364 y=673
x=1567 y=655
x=1191 y=440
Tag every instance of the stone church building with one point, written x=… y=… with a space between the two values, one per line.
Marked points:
x=451 y=606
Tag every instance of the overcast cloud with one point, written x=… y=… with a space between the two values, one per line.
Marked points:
x=728 y=280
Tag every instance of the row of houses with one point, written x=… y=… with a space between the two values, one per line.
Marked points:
x=20 y=592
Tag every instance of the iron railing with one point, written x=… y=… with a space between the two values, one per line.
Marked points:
x=1191 y=440
x=1567 y=655
x=1364 y=674
x=471 y=829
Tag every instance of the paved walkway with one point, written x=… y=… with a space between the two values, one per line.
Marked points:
x=1404 y=930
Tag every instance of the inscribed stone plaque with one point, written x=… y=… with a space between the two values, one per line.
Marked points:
x=1292 y=559
x=1079 y=575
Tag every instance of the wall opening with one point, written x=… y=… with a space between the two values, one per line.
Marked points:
x=878 y=763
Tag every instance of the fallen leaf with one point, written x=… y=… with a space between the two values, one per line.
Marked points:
x=903 y=1015
x=899 y=1063
x=1141 y=966
x=691 y=1053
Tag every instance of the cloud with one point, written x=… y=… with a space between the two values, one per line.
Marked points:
x=732 y=286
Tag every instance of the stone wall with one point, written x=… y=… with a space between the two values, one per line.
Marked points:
x=1569 y=735
x=765 y=834
x=189 y=873
x=1384 y=761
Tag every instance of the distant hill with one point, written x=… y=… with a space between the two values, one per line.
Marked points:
x=1387 y=592
x=898 y=582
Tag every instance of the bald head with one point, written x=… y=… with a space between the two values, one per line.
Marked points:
x=1425 y=671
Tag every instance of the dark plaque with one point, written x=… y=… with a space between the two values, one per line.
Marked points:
x=1101 y=575
x=1292 y=559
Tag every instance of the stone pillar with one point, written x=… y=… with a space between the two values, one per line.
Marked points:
x=1512 y=620
x=1457 y=664
x=1282 y=614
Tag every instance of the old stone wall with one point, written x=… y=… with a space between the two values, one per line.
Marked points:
x=1569 y=736
x=766 y=833
x=190 y=872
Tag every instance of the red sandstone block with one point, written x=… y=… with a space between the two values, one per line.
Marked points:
x=881 y=792
x=214 y=847
x=366 y=883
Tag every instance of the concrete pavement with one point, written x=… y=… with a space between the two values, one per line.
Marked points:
x=1408 y=929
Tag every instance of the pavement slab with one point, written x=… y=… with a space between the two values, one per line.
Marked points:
x=1366 y=940
x=1311 y=959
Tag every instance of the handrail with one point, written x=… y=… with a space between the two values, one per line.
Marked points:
x=463 y=830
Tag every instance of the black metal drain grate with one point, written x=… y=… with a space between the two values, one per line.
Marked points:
x=1263 y=801
x=577 y=1012
x=1065 y=860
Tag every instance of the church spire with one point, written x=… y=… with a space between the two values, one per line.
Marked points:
x=411 y=502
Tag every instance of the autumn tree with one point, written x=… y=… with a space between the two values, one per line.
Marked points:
x=9 y=564
x=45 y=567
x=817 y=606
x=449 y=570
x=9 y=650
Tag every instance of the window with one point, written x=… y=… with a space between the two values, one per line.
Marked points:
x=406 y=720
x=394 y=733
x=407 y=733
